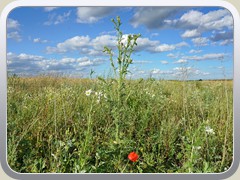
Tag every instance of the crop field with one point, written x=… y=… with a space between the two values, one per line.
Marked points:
x=68 y=125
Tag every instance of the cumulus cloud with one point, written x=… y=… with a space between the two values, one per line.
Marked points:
x=48 y=9
x=195 y=51
x=154 y=34
x=34 y=64
x=86 y=45
x=38 y=40
x=224 y=37
x=171 y=55
x=14 y=35
x=180 y=61
x=216 y=56
x=153 y=17
x=12 y=24
x=24 y=56
x=159 y=72
x=194 y=22
x=146 y=43
x=186 y=72
x=54 y=19
x=92 y=14
x=213 y=20
x=141 y=62
x=13 y=30
x=226 y=42
x=156 y=47
x=163 y=48
x=164 y=62
x=191 y=33
x=105 y=40
x=200 y=41
x=75 y=43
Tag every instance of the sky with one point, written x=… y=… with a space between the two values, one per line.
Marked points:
x=175 y=42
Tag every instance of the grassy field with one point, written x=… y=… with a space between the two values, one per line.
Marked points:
x=83 y=125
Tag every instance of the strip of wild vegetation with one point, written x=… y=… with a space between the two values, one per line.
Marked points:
x=68 y=125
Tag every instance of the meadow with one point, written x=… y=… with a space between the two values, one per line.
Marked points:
x=67 y=125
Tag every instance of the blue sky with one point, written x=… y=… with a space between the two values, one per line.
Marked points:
x=175 y=42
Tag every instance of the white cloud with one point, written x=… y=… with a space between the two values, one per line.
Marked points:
x=200 y=41
x=13 y=30
x=195 y=22
x=181 y=44
x=163 y=48
x=141 y=62
x=164 y=62
x=182 y=68
x=24 y=56
x=48 y=9
x=205 y=73
x=92 y=14
x=167 y=47
x=154 y=34
x=105 y=40
x=85 y=63
x=224 y=37
x=213 y=20
x=156 y=71
x=14 y=35
x=54 y=19
x=34 y=64
x=160 y=72
x=38 y=40
x=84 y=45
x=171 y=55
x=186 y=72
x=195 y=51
x=191 y=33
x=95 y=46
x=152 y=17
x=226 y=42
x=156 y=47
x=145 y=44
x=180 y=61
x=75 y=43
x=216 y=56
x=12 y=24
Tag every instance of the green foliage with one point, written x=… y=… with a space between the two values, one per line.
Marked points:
x=53 y=126
x=120 y=70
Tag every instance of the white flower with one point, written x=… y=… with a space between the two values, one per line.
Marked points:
x=209 y=130
x=105 y=96
x=197 y=147
x=98 y=100
x=88 y=92
x=99 y=93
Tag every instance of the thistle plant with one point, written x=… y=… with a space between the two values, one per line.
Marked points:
x=120 y=67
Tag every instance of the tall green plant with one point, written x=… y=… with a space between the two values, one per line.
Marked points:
x=120 y=66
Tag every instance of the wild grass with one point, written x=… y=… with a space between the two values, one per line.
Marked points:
x=53 y=125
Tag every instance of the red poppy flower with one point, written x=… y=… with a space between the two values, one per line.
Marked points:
x=133 y=156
